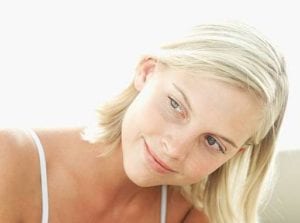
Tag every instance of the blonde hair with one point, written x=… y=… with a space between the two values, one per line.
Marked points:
x=240 y=55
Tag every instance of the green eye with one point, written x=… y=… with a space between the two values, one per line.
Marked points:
x=211 y=141
x=174 y=103
x=177 y=108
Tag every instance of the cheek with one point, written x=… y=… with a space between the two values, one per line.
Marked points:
x=149 y=116
x=197 y=168
x=142 y=117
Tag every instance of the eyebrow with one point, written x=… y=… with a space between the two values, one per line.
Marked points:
x=228 y=140
x=184 y=96
x=189 y=105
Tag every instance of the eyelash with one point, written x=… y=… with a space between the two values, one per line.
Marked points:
x=182 y=113
x=220 y=148
x=176 y=106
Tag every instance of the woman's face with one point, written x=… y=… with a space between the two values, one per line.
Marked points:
x=182 y=126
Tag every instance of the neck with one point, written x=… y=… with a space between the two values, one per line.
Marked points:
x=104 y=177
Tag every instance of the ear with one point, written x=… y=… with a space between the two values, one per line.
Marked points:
x=241 y=150
x=144 y=71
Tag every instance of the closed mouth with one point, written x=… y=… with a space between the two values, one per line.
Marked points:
x=164 y=167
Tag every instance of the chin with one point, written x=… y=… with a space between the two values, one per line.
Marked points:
x=138 y=178
x=140 y=182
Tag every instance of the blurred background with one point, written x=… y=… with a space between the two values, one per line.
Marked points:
x=60 y=59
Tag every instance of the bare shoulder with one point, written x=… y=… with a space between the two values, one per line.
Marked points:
x=196 y=216
x=18 y=160
x=16 y=151
x=181 y=210
x=16 y=147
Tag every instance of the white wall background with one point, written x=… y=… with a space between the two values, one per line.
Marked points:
x=59 y=59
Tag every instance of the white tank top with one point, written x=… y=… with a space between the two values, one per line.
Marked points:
x=44 y=185
x=43 y=169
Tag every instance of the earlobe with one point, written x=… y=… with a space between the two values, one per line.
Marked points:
x=144 y=71
x=241 y=150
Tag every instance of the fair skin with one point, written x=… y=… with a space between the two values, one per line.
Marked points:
x=125 y=185
x=192 y=137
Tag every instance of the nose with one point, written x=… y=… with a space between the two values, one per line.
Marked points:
x=178 y=146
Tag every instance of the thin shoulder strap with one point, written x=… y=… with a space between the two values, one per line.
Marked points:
x=44 y=185
x=163 y=204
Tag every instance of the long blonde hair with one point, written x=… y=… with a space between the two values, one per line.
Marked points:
x=240 y=55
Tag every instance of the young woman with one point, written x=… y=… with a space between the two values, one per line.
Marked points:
x=190 y=140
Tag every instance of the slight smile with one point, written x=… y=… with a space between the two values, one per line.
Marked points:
x=155 y=162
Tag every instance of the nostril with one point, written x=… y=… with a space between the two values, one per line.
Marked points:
x=172 y=151
x=166 y=147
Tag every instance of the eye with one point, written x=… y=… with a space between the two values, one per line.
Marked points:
x=176 y=106
x=212 y=142
x=174 y=103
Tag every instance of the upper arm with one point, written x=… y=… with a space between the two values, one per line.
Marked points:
x=14 y=166
x=195 y=216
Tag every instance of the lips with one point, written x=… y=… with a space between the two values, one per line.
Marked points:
x=155 y=162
